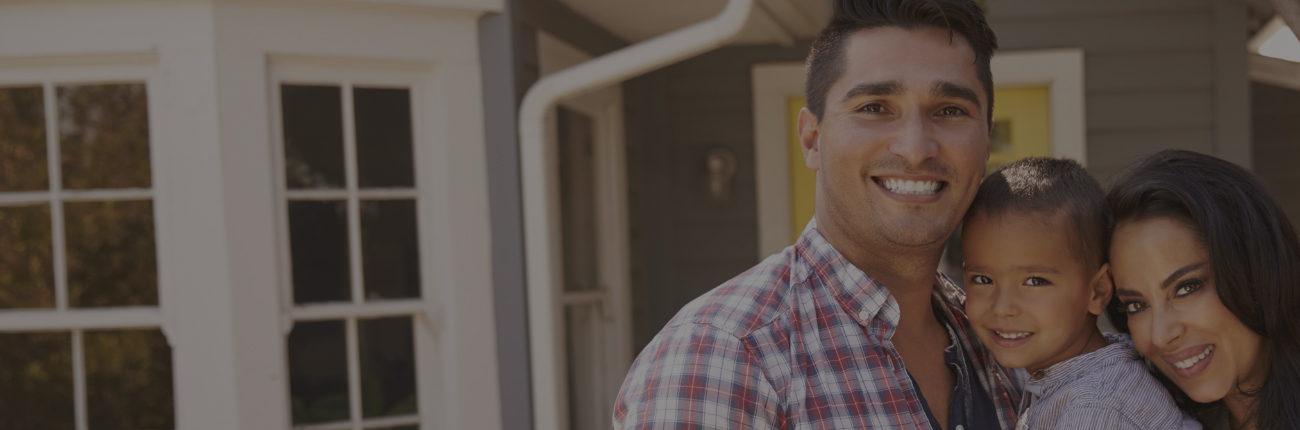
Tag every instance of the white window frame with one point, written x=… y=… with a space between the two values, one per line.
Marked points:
x=430 y=187
x=774 y=83
x=50 y=73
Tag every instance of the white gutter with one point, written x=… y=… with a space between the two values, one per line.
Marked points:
x=539 y=176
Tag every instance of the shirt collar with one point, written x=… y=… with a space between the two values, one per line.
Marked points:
x=859 y=294
x=1120 y=349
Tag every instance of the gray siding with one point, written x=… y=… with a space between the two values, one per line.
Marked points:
x=682 y=244
x=1276 y=123
x=1159 y=73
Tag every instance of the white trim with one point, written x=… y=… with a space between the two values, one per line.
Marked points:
x=1062 y=71
x=372 y=423
x=81 y=318
x=79 y=379
x=773 y=84
x=1274 y=71
x=370 y=309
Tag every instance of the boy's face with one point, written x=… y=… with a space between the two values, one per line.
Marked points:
x=1028 y=294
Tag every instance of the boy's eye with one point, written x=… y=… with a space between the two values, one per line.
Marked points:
x=980 y=279
x=1035 y=281
x=1187 y=287
x=1133 y=307
x=873 y=108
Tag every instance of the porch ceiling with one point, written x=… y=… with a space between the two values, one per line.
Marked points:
x=773 y=21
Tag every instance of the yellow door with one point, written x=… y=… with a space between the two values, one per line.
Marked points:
x=1021 y=128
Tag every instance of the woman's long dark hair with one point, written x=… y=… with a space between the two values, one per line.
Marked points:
x=1253 y=252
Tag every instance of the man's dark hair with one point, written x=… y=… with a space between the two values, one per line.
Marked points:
x=1051 y=186
x=826 y=59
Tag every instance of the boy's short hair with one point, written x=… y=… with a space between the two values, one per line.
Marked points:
x=1051 y=186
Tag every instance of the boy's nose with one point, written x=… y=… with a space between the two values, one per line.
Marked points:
x=1004 y=304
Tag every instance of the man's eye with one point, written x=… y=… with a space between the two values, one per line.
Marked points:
x=1187 y=287
x=952 y=111
x=873 y=108
x=1035 y=281
x=980 y=279
x=1133 y=307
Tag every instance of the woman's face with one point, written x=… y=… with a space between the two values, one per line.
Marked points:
x=1163 y=276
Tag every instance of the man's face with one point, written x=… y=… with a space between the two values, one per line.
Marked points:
x=903 y=141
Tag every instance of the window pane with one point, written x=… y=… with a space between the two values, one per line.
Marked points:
x=23 y=166
x=27 y=263
x=313 y=136
x=104 y=136
x=128 y=380
x=38 y=366
x=387 y=367
x=583 y=338
x=383 y=120
x=318 y=372
x=111 y=259
x=577 y=199
x=390 y=252
x=318 y=244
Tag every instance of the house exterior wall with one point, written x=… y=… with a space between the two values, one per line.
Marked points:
x=682 y=244
x=1159 y=73
x=1274 y=114
x=210 y=117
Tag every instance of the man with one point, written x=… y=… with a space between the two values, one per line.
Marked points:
x=853 y=327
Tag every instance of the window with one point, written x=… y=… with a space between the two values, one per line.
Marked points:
x=354 y=279
x=80 y=327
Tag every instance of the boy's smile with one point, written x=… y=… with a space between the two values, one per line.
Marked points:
x=1030 y=297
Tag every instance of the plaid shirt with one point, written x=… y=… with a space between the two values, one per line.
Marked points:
x=801 y=341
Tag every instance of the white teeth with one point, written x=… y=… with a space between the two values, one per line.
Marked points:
x=1013 y=335
x=1192 y=361
x=899 y=186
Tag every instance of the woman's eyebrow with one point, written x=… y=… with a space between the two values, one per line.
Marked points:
x=1180 y=273
x=1127 y=293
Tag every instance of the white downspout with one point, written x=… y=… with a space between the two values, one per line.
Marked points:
x=539 y=176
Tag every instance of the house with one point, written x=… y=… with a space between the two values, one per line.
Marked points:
x=471 y=214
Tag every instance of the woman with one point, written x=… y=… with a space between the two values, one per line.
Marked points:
x=1207 y=279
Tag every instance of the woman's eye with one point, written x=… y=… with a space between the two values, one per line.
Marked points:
x=1187 y=288
x=952 y=111
x=1134 y=307
x=980 y=279
x=873 y=108
x=1035 y=281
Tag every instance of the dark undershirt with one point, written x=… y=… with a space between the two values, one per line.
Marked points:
x=980 y=415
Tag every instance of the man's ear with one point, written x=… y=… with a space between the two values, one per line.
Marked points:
x=809 y=131
x=1102 y=287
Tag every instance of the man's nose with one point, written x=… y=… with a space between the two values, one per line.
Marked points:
x=915 y=141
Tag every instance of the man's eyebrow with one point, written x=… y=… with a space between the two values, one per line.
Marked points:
x=885 y=88
x=945 y=89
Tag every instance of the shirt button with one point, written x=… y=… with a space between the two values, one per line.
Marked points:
x=862 y=316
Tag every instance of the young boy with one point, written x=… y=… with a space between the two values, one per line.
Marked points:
x=1034 y=242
